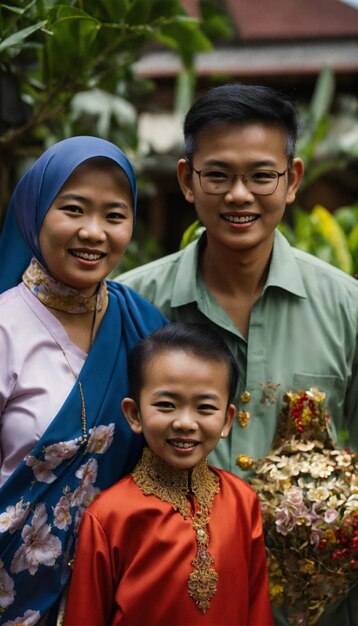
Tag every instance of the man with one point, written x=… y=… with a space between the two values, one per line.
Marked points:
x=289 y=318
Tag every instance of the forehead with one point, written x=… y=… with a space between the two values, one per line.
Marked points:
x=237 y=139
x=183 y=367
x=100 y=165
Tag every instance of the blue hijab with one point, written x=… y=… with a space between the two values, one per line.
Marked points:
x=36 y=191
x=42 y=502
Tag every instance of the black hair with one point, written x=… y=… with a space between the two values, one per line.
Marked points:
x=195 y=338
x=234 y=103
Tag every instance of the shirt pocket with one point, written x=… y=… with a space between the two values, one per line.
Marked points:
x=334 y=388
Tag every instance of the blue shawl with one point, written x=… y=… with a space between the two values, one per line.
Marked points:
x=42 y=502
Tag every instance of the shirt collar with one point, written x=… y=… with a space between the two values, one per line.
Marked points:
x=283 y=273
x=185 y=288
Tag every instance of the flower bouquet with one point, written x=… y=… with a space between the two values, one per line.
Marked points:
x=308 y=489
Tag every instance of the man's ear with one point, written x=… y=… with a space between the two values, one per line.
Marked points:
x=295 y=175
x=185 y=178
x=132 y=414
x=230 y=414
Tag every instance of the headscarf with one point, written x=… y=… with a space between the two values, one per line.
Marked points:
x=36 y=191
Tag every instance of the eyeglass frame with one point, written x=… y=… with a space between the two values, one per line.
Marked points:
x=243 y=178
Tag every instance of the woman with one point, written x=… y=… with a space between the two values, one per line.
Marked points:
x=65 y=334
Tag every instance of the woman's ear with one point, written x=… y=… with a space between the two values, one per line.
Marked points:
x=132 y=415
x=230 y=414
x=185 y=178
x=295 y=175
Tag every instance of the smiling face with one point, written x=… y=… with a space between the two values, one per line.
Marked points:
x=183 y=409
x=88 y=226
x=239 y=219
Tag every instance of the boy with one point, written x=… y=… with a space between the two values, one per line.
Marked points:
x=177 y=542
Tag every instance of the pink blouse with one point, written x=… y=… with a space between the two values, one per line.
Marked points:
x=35 y=378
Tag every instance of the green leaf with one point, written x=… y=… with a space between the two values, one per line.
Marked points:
x=353 y=246
x=184 y=91
x=108 y=10
x=70 y=48
x=328 y=227
x=192 y=233
x=184 y=36
x=347 y=217
x=17 y=38
x=323 y=95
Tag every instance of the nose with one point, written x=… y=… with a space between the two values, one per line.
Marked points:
x=92 y=230
x=239 y=192
x=185 y=421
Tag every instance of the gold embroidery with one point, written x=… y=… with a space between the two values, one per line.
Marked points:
x=56 y=295
x=243 y=418
x=246 y=396
x=269 y=393
x=154 y=477
x=244 y=461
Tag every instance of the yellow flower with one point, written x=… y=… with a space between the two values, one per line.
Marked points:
x=276 y=593
x=330 y=536
x=315 y=394
x=308 y=566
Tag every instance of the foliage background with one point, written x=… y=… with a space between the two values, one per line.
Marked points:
x=67 y=68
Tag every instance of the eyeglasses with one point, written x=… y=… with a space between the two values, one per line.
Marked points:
x=258 y=182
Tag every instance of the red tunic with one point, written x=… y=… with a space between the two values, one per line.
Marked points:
x=134 y=559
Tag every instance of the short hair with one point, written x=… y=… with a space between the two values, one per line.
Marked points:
x=234 y=103
x=195 y=338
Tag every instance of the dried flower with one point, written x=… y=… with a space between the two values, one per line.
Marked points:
x=308 y=490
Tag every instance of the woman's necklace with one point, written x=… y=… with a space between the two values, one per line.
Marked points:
x=54 y=294
x=154 y=477
x=84 y=436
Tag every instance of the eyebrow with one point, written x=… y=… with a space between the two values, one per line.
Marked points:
x=79 y=198
x=173 y=395
x=226 y=165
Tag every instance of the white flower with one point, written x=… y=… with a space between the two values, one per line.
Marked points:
x=39 y=547
x=343 y=459
x=14 y=517
x=7 y=593
x=318 y=494
x=61 y=512
x=41 y=469
x=301 y=446
x=29 y=619
x=100 y=439
x=88 y=472
x=58 y=452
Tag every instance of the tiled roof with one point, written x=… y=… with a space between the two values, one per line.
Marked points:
x=264 y=20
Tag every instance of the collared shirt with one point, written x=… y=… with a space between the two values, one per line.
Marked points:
x=302 y=334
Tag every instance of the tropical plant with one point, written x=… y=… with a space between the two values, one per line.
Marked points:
x=50 y=50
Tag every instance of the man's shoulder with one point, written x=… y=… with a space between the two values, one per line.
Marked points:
x=153 y=268
x=323 y=274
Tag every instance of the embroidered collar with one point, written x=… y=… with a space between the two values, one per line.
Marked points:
x=56 y=295
x=155 y=477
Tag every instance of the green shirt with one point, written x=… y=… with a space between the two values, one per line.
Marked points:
x=303 y=333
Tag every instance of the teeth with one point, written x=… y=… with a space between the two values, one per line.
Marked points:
x=240 y=219
x=182 y=444
x=87 y=256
